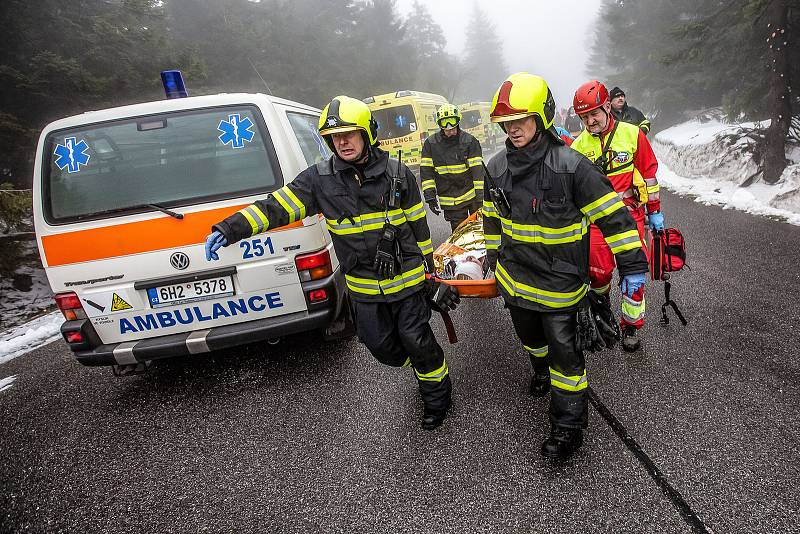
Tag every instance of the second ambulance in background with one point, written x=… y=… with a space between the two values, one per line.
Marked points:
x=405 y=119
x=475 y=121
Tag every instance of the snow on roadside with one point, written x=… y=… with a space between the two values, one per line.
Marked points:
x=754 y=199
x=696 y=160
x=7 y=382
x=703 y=131
x=29 y=336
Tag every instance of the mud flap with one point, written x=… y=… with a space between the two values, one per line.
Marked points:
x=343 y=326
x=132 y=368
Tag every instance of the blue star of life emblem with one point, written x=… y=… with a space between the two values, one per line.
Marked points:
x=323 y=151
x=72 y=154
x=236 y=130
x=400 y=121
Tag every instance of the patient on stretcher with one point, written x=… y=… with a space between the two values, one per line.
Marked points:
x=463 y=255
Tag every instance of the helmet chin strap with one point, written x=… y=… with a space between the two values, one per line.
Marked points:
x=608 y=121
x=364 y=156
x=608 y=124
x=539 y=129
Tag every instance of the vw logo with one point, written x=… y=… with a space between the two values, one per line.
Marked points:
x=179 y=260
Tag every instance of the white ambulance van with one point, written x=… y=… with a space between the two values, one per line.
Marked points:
x=123 y=201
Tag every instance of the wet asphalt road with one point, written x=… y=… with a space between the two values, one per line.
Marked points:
x=308 y=437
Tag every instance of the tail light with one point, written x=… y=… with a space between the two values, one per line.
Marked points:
x=73 y=337
x=70 y=305
x=314 y=266
x=318 y=295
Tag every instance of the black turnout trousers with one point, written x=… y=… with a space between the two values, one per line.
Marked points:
x=398 y=334
x=555 y=333
x=456 y=215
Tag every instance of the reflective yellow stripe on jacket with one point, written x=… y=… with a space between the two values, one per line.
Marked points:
x=621 y=242
x=492 y=241
x=453 y=201
x=605 y=205
x=426 y=247
x=489 y=209
x=551 y=299
x=367 y=221
x=290 y=203
x=257 y=219
x=477 y=161
x=415 y=212
x=430 y=183
x=534 y=233
x=451 y=169
x=370 y=286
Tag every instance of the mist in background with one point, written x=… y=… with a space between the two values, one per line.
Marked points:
x=550 y=39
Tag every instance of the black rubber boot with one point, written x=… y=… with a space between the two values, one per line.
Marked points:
x=630 y=341
x=433 y=419
x=562 y=443
x=540 y=385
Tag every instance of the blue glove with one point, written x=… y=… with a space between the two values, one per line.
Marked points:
x=656 y=221
x=214 y=241
x=631 y=283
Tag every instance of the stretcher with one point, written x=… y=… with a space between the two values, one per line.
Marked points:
x=468 y=237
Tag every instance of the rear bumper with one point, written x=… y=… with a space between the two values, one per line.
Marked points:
x=317 y=316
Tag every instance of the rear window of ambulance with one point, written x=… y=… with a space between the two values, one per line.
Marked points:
x=471 y=119
x=172 y=159
x=393 y=122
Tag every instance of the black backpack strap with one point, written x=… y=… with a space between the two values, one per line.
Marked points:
x=657 y=245
x=393 y=168
x=325 y=167
x=605 y=163
x=671 y=303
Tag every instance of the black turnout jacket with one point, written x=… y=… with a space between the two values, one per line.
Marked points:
x=541 y=248
x=354 y=204
x=452 y=169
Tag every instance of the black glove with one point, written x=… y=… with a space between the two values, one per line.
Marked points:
x=597 y=327
x=430 y=267
x=491 y=259
x=586 y=335
x=385 y=264
x=442 y=297
x=433 y=204
x=607 y=325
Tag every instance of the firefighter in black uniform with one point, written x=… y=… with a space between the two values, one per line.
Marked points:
x=541 y=197
x=452 y=169
x=375 y=214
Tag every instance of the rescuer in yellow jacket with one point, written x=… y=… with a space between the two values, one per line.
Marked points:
x=623 y=153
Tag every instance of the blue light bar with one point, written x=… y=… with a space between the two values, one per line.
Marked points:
x=173 y=84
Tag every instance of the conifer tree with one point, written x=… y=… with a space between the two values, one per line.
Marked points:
x=484 y=64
